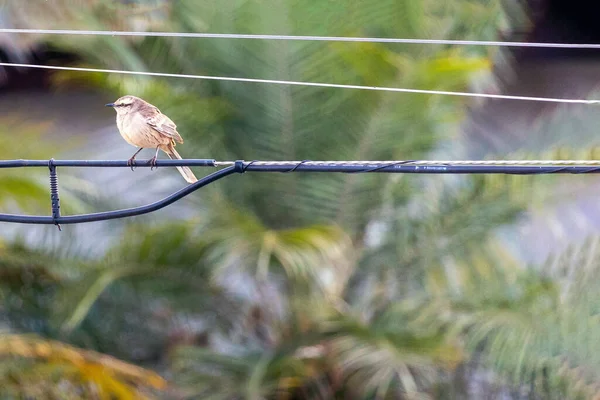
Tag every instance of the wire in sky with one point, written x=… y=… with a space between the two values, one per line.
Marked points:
x=299 y=83
x=302 y=38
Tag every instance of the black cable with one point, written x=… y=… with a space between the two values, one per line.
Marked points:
x=240 y=166
x=405 y=168
x=128 y=212
x=105 y=163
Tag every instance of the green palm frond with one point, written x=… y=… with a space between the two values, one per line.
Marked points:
x=382 y=356
x=283 y=372
x=27 y=280
x=233 y=236
x=524 y=323
x=444 y=218
x=167 y=261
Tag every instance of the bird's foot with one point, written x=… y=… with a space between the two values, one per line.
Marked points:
x=152 y=162
x=131 y=163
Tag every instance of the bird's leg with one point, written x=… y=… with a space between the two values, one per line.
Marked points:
x=131 y=161
x=153 y=159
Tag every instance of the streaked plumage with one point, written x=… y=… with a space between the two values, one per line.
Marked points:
x=143 y=125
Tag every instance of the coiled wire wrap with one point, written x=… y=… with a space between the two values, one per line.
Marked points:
x=54 y=199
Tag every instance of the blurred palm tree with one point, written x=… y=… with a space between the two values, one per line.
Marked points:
x=535 y=328
x=306 y=285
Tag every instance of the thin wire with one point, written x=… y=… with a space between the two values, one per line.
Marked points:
x=299 y=83
x=302 y=38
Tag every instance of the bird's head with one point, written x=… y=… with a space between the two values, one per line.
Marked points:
x=125 y=104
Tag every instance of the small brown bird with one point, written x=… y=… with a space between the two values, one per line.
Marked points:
x=143 y=125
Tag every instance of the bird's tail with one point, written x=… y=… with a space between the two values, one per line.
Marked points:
x=187 y=173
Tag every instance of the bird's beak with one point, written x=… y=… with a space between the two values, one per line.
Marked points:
x=110 y=105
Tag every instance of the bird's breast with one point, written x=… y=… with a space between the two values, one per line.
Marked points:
x=137 y=132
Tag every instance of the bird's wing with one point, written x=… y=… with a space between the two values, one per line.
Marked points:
x=163 y=124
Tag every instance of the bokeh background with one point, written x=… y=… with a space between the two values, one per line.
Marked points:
x=303 y=286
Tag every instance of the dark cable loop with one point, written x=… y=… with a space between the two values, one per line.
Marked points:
x=54 y=199
x=248 y=164
x=380 y=167
x=296 y=166
x=591 y=171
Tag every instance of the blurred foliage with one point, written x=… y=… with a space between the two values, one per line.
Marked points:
x=27 y=189
x=18 y=184
x=528 y=322
x=68 y=372
x=315 y=286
